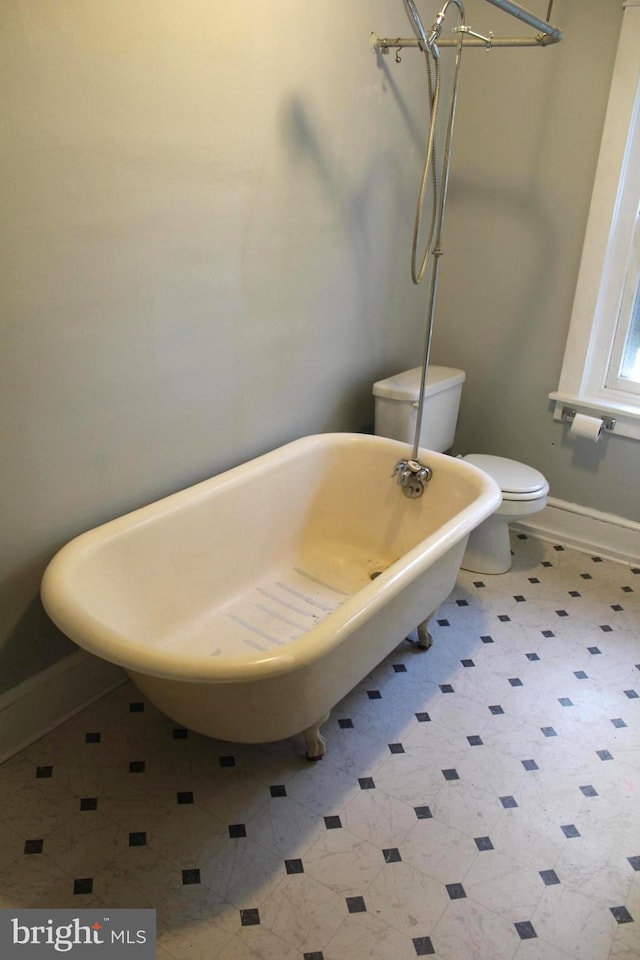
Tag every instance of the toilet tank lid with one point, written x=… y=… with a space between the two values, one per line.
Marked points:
x=406 y=385
x=510 y=475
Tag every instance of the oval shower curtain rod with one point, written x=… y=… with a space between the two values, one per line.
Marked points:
x=547 y=34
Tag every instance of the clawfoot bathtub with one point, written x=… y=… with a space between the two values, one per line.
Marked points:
x=245 y=607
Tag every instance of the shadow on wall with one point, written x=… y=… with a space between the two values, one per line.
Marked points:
x=33 y=637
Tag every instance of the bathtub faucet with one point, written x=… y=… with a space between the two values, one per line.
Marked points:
x=412 y=477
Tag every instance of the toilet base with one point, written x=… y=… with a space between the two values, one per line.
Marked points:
x=489 y=547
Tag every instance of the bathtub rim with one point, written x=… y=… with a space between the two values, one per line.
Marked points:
x=103 y=641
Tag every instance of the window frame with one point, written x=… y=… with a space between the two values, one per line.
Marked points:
x=606 y=255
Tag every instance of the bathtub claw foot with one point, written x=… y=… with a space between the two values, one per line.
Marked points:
x=314 y=741
x=424 y=637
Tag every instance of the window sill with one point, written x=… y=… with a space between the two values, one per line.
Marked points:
x=626 y=415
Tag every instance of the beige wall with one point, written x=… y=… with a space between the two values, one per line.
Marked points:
x=206 y=218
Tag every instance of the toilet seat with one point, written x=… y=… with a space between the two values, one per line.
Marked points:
x=516 y=480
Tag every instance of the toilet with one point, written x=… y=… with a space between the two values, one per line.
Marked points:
x=524 y=489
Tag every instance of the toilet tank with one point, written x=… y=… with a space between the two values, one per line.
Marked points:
x=396 y=406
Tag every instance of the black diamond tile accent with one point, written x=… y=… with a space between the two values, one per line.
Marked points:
x=33 y=846
x=570 y=830
x=475 y=741
x=594 y=651
x=43 y=773
x=399 y=668
x=635 y=570
x=549 y=877
x=635 y=862
x=547 y=633
x=345 y=724
x=508 y=802
x=479 y=584
x=191 y=876
x=315 y=955
x=604 y=754
x=446 y=688
x=565 y=702
x=89 y=803
x=631 y=694
x=392 y=855
x=355 y=904
x=374 y=695
x=589 y=791
x=137 y=766
x=627 y=589
x=525 y=929
x=92 y=737
x=278 y=790
x=520 y=599
x=533 y=580
x=597 y=559
x=366 y=783
x=184 y=796
x=467 y=663
x=138 y=839
x=423 y=717
x=293 y=866
x=423 y=813
x=618 y=722
x=443 y=623
x=586 y=576
x=423 y=946
x=532 y=657
x=580 y=675
x=522 y=536
x=549 y=731
x=237 y=830
x=228 y=761
x=462 y=603
x=617 y=607
x=483 y=843
x=621 y=915
x=396 y=747
x=84 y=885
x=503 y=618
x=250 y=918
x=574 y=593
x=136 y=707
x=451 y=774
x=530 y=765
x=515 y=682
x=496 y=709
x=562 y=613
x=546 y=563
x=333 y=823
x=456 y=891
x=606 y=628
x=558 y=548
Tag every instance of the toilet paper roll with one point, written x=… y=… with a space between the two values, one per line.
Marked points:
x=588 y=427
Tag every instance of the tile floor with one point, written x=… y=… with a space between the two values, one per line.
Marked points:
x=479 y=800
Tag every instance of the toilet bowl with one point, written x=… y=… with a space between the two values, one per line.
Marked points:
x=524 y=489
x=524 y=492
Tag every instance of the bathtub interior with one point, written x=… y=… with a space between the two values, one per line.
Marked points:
x=257 y=557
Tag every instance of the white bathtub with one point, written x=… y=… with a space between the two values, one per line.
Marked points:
x=244 y=606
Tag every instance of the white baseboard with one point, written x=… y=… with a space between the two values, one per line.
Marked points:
x=35 y=707
x=601 y=534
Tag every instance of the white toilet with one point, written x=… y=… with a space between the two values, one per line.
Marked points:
x=524 y=490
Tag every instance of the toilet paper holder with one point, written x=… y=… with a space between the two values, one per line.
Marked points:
x=568 y=415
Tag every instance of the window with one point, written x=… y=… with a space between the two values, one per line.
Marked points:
x=601 y=367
